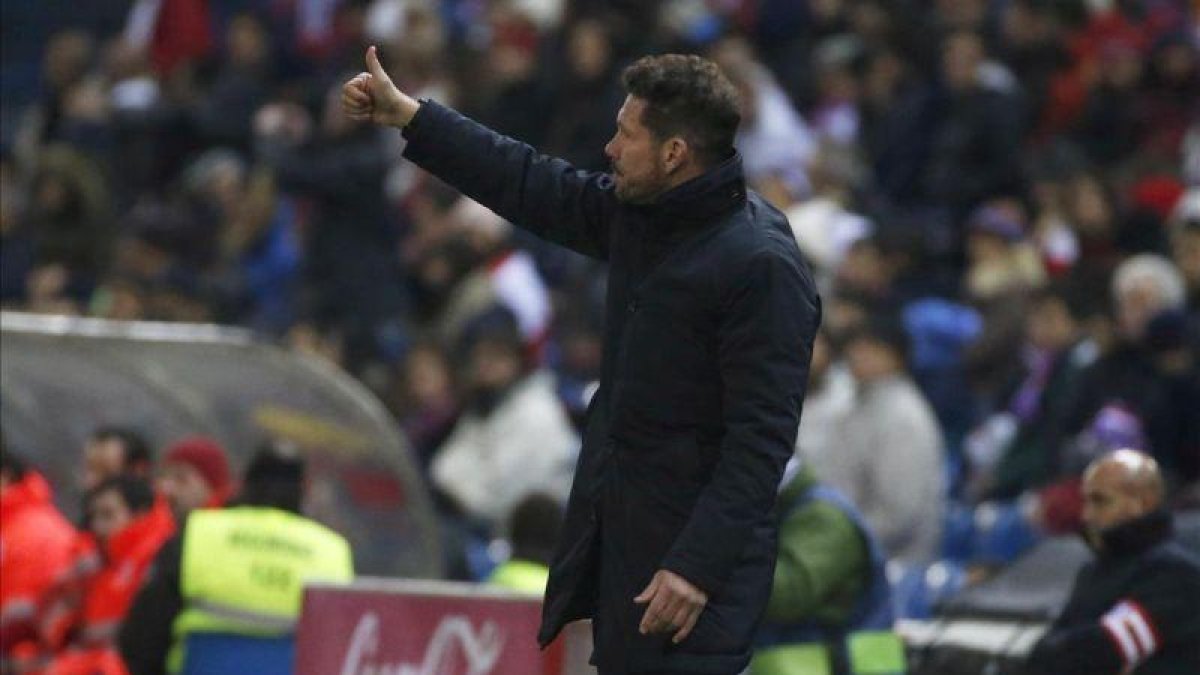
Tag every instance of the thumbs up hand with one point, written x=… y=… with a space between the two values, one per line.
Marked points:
x=371 y=96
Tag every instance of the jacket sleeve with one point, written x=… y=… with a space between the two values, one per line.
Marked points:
x=1158 y=611
x=544 y=195
x=764 y=343
x=145 y=636
x=819 y=551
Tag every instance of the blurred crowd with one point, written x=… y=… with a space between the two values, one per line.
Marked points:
x=1000 y=200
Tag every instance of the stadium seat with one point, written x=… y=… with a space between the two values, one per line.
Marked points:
x=958 y=532
x=918 y=589
x=227 y=654
x=1000 y=533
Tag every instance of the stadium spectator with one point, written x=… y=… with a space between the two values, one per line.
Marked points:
x=129 y=530
x=352 y=271
x=830 y=398
x=971 y=157
x=1018 y=447
x=111 y=451
x=235 y=570
x=427 y=406
x=513 y=437
x=194 y=474
x=35 y=547
x=1133 y=609
x=533 y=532
x=889 y=459
x=1148 y=292
x=831 y=604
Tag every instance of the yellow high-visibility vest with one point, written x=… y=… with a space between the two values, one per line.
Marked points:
x=244 y=568
x=521 y=575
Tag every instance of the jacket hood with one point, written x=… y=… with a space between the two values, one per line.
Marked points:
x=145 y=533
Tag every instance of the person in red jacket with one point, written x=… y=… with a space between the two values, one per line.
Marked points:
x=35 y=547
x=109 y=451
x=130 y=530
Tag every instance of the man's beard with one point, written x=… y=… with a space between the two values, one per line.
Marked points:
x=643 y=191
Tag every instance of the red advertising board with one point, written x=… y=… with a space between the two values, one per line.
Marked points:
x=391 y=627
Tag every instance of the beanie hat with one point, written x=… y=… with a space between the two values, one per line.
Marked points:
x=208 y=458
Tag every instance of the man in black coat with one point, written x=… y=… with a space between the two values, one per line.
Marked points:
x=669 y=544
x=1136 y=608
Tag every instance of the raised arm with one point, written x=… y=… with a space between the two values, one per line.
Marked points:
x=544 y=195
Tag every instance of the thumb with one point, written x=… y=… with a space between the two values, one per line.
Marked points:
x=374 y=67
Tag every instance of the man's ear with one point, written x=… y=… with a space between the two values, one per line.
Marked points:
x=675 y=153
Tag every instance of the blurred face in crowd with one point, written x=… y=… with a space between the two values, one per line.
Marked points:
x=1089 y=210
x=865 y=268
x=1050 y=325
x=1121 y=68
x=66 y=57
x=184 y=488
x=102 y=459
x=494 y=366
x=870 y=360
x=1185 y=251
x=962 y=55
x=1136 y=305
x=984 y=247
x=246 y=41
x=108 y=514
x=428 y=376
x=638 y=166
x=588 y=50
x=1116 y=489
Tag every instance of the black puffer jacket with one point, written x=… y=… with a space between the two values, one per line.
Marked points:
x=1135 y=609
x=710 y=319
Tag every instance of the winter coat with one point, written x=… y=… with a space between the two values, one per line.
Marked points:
x=710 y=319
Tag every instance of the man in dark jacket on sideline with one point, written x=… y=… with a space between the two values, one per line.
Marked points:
x=669 y=542
x=1134 y=609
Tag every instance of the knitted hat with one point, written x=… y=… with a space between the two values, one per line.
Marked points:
x=208 y=458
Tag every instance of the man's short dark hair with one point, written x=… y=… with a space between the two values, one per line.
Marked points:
x=136 y=449
x=535 y=524
x=887 y=330
x=686 y=96
x=135 y=492
x=274 y=477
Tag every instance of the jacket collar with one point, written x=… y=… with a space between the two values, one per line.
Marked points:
x=1136 y=536
x=695 y=202
x=144 y=534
